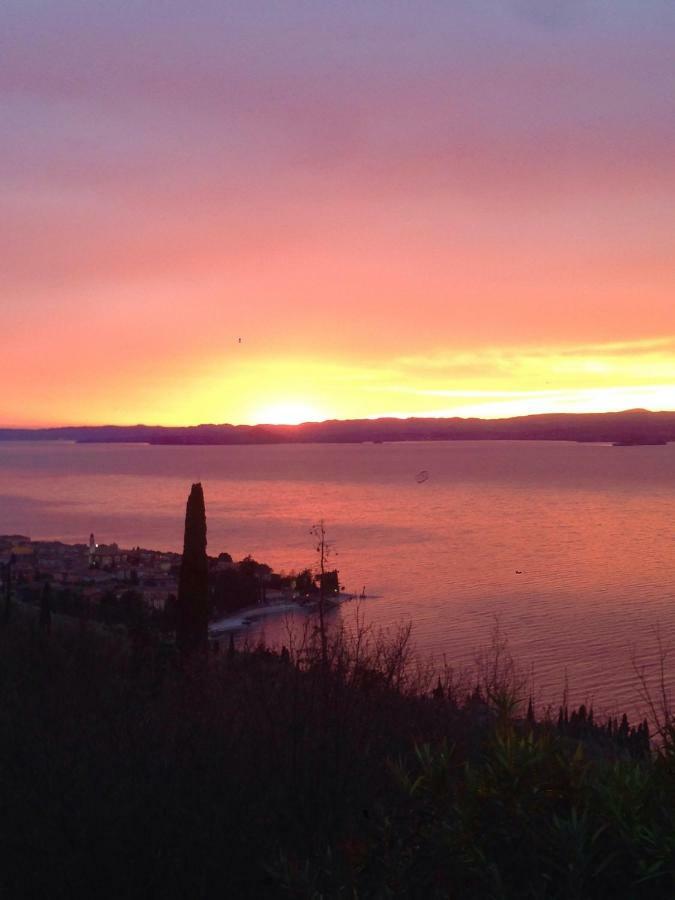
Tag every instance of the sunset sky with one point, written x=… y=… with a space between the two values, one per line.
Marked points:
x=400 y=208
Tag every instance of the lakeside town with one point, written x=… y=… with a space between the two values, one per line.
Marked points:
x=117 y=586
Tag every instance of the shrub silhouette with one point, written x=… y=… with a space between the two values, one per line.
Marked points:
x=287 y=778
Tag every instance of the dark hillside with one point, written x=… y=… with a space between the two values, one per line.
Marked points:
x=124 y=774
x=632 y=426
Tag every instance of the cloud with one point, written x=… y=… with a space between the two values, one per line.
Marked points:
x=501 y=359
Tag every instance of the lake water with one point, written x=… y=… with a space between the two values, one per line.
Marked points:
x=589 y=527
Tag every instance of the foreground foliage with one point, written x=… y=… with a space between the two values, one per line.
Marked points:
x=256 y=774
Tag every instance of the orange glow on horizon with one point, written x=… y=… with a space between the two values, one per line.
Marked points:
x=493 y=382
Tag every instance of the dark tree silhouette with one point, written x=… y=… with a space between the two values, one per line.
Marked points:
x=46 y=609
x=169 y=618
x=192 y=619
x=8 y=590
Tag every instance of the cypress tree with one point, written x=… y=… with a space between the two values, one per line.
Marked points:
x=192 y=619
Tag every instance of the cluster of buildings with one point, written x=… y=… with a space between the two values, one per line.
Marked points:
x=103 y=575
x=92 y=570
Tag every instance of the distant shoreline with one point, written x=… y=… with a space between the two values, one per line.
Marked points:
x=629 y=428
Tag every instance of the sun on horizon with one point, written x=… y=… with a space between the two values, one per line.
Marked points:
x=287 y=412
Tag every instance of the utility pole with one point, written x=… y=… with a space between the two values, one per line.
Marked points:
x=322 y=548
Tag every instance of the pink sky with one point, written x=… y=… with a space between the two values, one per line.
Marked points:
x=399 y=208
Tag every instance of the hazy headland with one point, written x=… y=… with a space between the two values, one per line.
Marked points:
x=630 y=426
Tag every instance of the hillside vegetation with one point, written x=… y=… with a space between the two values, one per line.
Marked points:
x=251 y=773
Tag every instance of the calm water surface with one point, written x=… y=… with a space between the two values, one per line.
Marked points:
x=590 y=527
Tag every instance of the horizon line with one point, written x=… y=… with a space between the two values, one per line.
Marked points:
x=402 y=418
